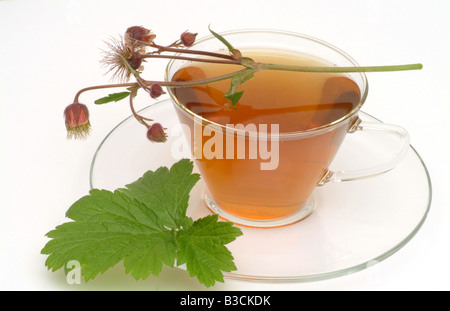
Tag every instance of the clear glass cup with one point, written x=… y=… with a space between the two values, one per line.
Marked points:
x=248 y=191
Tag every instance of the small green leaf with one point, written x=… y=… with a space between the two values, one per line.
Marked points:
x=133 y=89
x=222 y=39
x=243 y=76
x=115 y=97
x=234 y=97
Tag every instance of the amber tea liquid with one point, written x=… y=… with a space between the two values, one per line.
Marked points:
x=296 y=102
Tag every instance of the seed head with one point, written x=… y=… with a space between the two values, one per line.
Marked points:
x=155 y=133
x=119 y=58
x=136 y=34
x=115 y=59
x=135 y=60
x=76 y=116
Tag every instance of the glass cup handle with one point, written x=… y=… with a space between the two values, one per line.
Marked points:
x=380 y=128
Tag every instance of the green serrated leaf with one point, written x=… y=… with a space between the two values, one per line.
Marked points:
x=167 y=191
x=145 y=226
x=202 y=248
x=110 y=227
x=115 y=97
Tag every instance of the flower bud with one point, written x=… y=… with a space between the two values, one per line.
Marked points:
x=188 y=38
x=77 y=121
x=156 y=90
x=155 y=133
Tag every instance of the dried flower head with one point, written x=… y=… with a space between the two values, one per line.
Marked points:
x=76 y=116
x=136 y=34
x=188 y=38
x=116 y=58
x=135 y=61
x=155 y=133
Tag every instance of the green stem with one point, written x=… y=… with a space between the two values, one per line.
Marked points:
x=97 y=87
x=162 y=83
x=201 y=81
x=257 y=67
x=265 y=66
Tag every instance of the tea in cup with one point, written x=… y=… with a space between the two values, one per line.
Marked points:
x=262 y=159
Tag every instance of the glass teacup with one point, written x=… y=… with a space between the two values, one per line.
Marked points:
x=263 y=174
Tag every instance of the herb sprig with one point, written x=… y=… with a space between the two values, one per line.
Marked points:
x=145 y=226
x=125 y=58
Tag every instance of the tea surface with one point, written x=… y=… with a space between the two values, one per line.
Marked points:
x=296 y=101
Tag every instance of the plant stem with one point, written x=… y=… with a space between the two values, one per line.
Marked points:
x=106 y=86
x=189 y=51
x=266 y=66
x=257 y=67
x=205 y=60
x=201 y=81
x=135 y=114
x=162 y=83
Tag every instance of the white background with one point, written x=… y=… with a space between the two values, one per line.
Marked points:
x=50 y=49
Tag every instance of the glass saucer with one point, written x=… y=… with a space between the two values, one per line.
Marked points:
x=353 y=226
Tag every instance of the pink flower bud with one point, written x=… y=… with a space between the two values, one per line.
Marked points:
x=155 y=133
x=156 y=90
x=188 y=38
x=77 y=121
